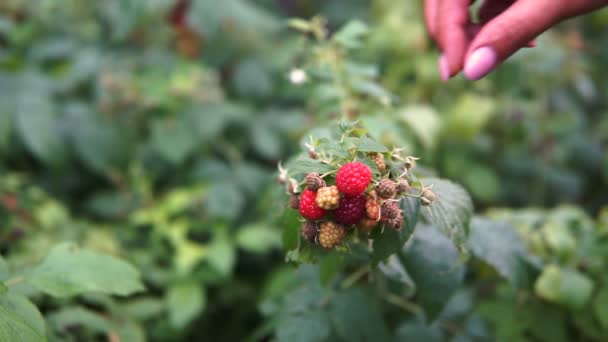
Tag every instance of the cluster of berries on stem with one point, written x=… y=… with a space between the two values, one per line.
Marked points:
x=352 y=198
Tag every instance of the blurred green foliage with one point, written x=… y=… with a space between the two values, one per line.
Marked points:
x=151 y=131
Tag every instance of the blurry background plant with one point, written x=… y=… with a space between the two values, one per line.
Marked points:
x=151 y=130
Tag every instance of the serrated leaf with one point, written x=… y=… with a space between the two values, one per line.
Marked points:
x=258 y=238
x=69 y=271
x=302 y=318
x=366 y=144
x=499 y=244
x=184 y=302
x=567 y=287
x=303 y=166
x=20 y=320
x=451 y=211
x=433 y=263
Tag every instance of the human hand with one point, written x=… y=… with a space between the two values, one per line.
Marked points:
x=504 y=27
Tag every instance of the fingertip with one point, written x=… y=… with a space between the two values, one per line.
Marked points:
x=480 y=63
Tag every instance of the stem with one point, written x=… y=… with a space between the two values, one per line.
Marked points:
x=351 y=279
x=403 y=303
x=14 y=281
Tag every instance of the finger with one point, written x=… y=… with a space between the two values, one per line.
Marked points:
x=492 y=8
x=517 y=27
x=473 y=30
x=511 y=30
x=452 y=23
x=430 y=17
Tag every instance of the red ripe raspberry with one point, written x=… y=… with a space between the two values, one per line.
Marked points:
x=308 y=207
x=353 y=178
x=351 y=210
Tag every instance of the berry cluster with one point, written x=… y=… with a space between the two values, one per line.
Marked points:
x=352 y=198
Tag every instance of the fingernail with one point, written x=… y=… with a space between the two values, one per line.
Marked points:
x=531 y=44
x=480 y=63
x=444 y=68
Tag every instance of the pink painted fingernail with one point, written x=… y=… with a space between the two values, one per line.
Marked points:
x=444 y=68
x=480 y=63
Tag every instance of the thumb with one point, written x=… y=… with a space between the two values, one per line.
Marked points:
x=513 y=29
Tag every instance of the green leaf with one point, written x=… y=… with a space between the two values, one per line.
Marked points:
x=222 y=254
x=302 y=317
x=499 y=244
x=207 y=16
x=4 y=273
x=265 y=140
x=291 y=229
x=6 y=127
x=424 y=122
x=258 y=238
x=418 y=330
x=411 y=210
x=20 y=320
x=252 y=79
x=357 y=318
x=564 y=286
x=144 y=308
x=329 y=267
x=600 y=307
x=69 y=271
x=432 y=262
x=469 y=114
x=78 y=316
x=37 y=126
x=185 y=301
x=309 y=326
x=224 y=199
x=451 y=211
x=387 y=243
x=96 y=142
x=366 y=144
x=350 y=34
x=307 y=165
x=174 y=139
x=392 y=241
x=393 y=269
